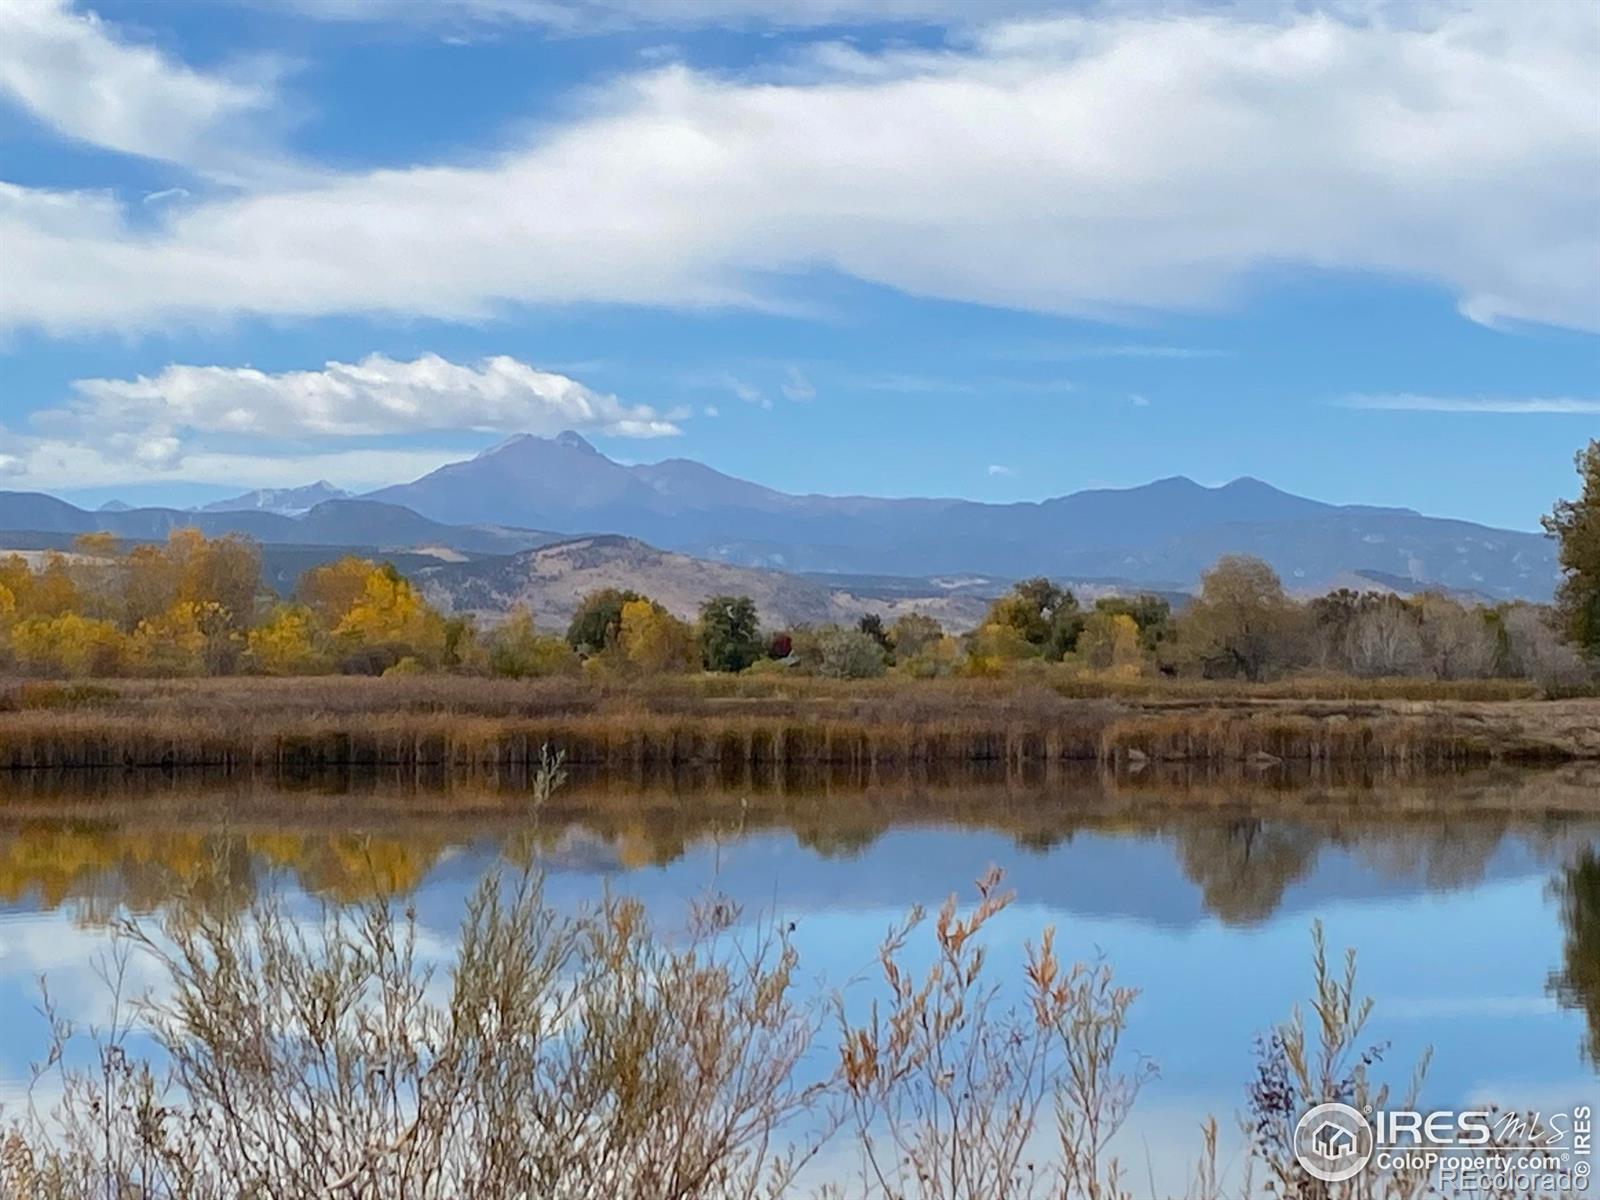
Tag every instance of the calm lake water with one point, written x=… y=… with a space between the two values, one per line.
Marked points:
x=1475 y=907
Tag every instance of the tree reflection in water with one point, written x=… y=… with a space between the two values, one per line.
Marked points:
x=1243 y=863
x=1577 y=984
x=1243 y=867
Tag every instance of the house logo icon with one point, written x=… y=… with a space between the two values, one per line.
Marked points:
x=1333 y=1142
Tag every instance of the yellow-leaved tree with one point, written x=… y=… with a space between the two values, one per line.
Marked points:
x=149 y=584
x=330 y=590
x=390 y=611
x=224 y=573
x=993 y=645
x=54 y=591
x=97 y=575
x=655 y=641
x=286 y=643
x=1109 y=644
x=179 y=608
x=68 y=644
x=8 y=618
x=173 y=642
x=97 y=544
x=192 y=637
x=17 y=580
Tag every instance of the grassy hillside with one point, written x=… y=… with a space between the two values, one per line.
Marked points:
x=549 y=582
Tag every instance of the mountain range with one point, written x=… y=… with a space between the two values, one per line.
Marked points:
x=290 y=502
x=330 y=523
x=1164 y=533
x=677 y=519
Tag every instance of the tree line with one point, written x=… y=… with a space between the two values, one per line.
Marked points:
x=195 y=606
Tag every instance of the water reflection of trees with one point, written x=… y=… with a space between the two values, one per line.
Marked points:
x=1444 y=856
x=1243 y=859
x=1577 y=984
x=102 y=869
x=1456 y=852
x=1243 y=867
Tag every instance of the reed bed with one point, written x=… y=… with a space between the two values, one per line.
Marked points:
x=306 y=725
x=1034 y=690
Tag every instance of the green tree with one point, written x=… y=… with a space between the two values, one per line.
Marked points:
x=519 y=651
x=1577 y=524
x=849 y=654
x=730 y=633
x=598 y=621
x=872 y=626
x=1045 y=616
x=1151 y=614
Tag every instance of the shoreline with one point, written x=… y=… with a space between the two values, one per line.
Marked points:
x=951 y=793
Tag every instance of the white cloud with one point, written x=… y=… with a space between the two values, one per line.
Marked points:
x=237 y=424
x=73 y=72
x=1406 y=402
x=373 y=397
x=1038 y=387
x=748 y=392
x=909 y=384
x=52 y=463
x=796 y=386
x=1060 y=351
x=997 y=470
x=1083 y=165
x=584 y=16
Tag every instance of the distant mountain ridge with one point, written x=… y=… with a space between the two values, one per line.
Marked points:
x=1164 y=532
x=288 y=502
x=330 y=523
x=529 y=492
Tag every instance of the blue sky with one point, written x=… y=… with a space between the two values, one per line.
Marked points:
x=1003 y=251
